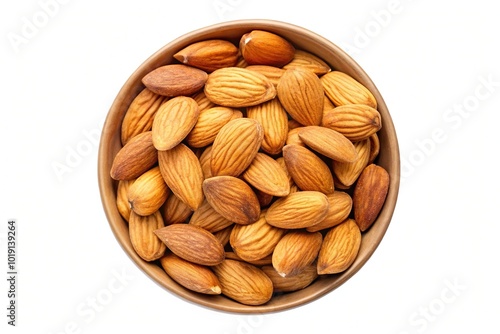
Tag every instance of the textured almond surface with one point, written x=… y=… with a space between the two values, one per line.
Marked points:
x=135 y=158
x=190 y=275
x=175 y=211
x=355 y=121
x=148 y=192
x=192 y=243
x=296 y=251
x=260 y=47
x=369 y=195
x=232 y=198
x=255 y=241
x=307 y=170
x=235 y=146
x=140 y=114
x=267 y=175
x=340 y=205
x=301 y=94
x=307 y=60
x=208 y=125
x=340 y=248
x=209 y=55
x=329 y=143
x=209 y=219
x=174 y=121
x=238 y=87
x=244 y=282
x=291 y=283
x=342 y=89
x=348 y=172
x=298 y=210
x=182 y=172
x=141 y=232
x=175 y=80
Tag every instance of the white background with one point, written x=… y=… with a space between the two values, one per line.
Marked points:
x=436 y=64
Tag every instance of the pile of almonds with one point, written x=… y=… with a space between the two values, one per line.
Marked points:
x=249 y=170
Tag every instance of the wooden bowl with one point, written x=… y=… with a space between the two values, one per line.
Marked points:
x=303 y=39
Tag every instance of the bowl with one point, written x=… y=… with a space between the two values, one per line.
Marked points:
x=303 y=39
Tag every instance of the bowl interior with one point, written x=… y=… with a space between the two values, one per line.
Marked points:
x=302 y=39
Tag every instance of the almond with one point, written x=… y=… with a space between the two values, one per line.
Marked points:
x=329 y=143
x=235 y=146
x=244 y=282
x=175 y=80
x=274 y=120
x=141 y=231
x=232 y=198
x=135 y=158
x=348 y=172
x=205 y=161
x=260 y=47
x=192 y=243
x=174 y=121
x=298 y=210
x=122 y=203
x=238 y=87
x=374 y=148
x=271 y=72
x=267 y=175
x=291 y=283
x=343 y=89
x=293 y=137
x=339 y=249
x=209 y=219
x=340 y=206
x=175 y=211
x=267 y=260
x=182 y=172
x=308 y=171
x=355 y=121
x=255 y=241
x=369 y=195
x=148 y=192
x=301 y=94
x=306 y=60
x=209 y=55
x=223 y=235
x=296 y=251
x=208 y=125
x=140 y=114
x=190 y=275
x=202 y=100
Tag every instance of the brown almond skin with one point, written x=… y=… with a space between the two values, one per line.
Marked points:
x=232 y=198
x=291 y=283
x=175 y=211
x=339 y=249
x=175 y=80
x=135 y=158
x=308 y=171
x=122 y=203
x=342 y=89
x=255 y=241
x=209 y=219
x=369 y=195
x=141 y=231
x=236 y=87
x=209 y=55
x=192 y=243
x=329 y=143
x=355 y=121
x=244 y=282
x=174 y=121
x=235 y=147
x=340 y=206
x=208 y=125
x=267 y=175
x=148 y=192
x=265 y=48
x=307 y=60
x=182 y=172
x=274 y=120
x=140 y=114
x=296 y=251
x=192 y=276
x=301 y=94
x=298 y=210
x=348 y=172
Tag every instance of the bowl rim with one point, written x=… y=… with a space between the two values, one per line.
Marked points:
x=106 y=184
